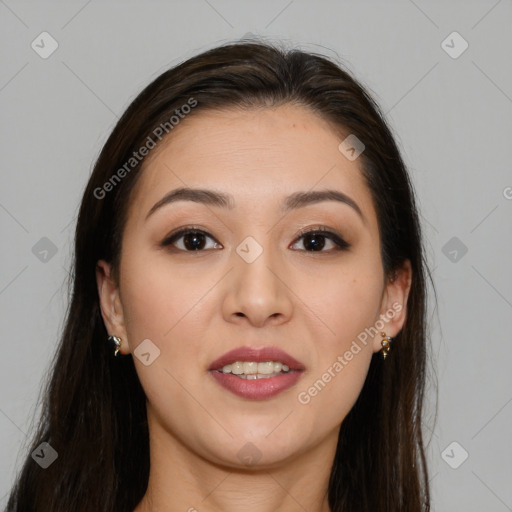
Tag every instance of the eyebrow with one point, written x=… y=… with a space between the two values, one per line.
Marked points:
x=223 y=200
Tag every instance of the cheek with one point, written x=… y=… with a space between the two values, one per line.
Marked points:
x=343 y=352
x=344 y=349
x=333 y=391
x=162 y=306
x=346 y=300
x=170 y=305
x=156 y=300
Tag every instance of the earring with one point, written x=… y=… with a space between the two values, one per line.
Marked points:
x=386 y=345
x=117 y=341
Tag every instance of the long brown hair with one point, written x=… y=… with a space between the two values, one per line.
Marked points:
x=94 y=408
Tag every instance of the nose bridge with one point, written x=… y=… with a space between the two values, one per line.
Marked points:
x=256 y=289
x=254 y=268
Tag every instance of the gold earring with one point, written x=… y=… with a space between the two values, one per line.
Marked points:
x=117 y=341
x=386 y=345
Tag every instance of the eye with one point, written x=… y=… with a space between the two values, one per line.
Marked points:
x=194 y=239
x=314 y=240
x=191 y=238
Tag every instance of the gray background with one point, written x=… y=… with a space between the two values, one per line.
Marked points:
x=453 y=121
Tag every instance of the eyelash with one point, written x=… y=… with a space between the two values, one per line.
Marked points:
x=341 y=244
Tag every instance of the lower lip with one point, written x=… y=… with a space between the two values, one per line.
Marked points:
x=256 y=389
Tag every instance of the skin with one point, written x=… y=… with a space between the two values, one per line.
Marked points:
x=195 y=306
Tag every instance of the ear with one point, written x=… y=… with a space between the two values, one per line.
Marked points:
x=393 y=309
x=110 y=303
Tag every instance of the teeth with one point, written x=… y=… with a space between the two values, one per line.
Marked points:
x=237 y=368
x=259 y=376
x=250 y=368
x=255 y=370
x=266 y=368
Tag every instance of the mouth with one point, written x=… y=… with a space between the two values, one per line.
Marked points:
x=256 y=374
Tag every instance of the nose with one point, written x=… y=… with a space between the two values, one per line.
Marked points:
x=258 y=292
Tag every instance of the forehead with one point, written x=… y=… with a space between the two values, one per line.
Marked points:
x=256 y=155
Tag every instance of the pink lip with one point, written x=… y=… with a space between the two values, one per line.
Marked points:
x=258 y=355
x=256 y=389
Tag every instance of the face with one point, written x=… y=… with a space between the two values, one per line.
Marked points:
x=199 y=279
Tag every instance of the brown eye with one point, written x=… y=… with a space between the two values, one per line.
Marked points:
x=316 y=240
x=190 y=240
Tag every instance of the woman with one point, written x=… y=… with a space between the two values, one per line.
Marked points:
x=248 y=244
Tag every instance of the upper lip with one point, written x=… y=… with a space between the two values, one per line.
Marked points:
x=258 y=355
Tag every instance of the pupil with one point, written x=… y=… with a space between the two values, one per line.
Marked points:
x=196 y=244
x=314 y=242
